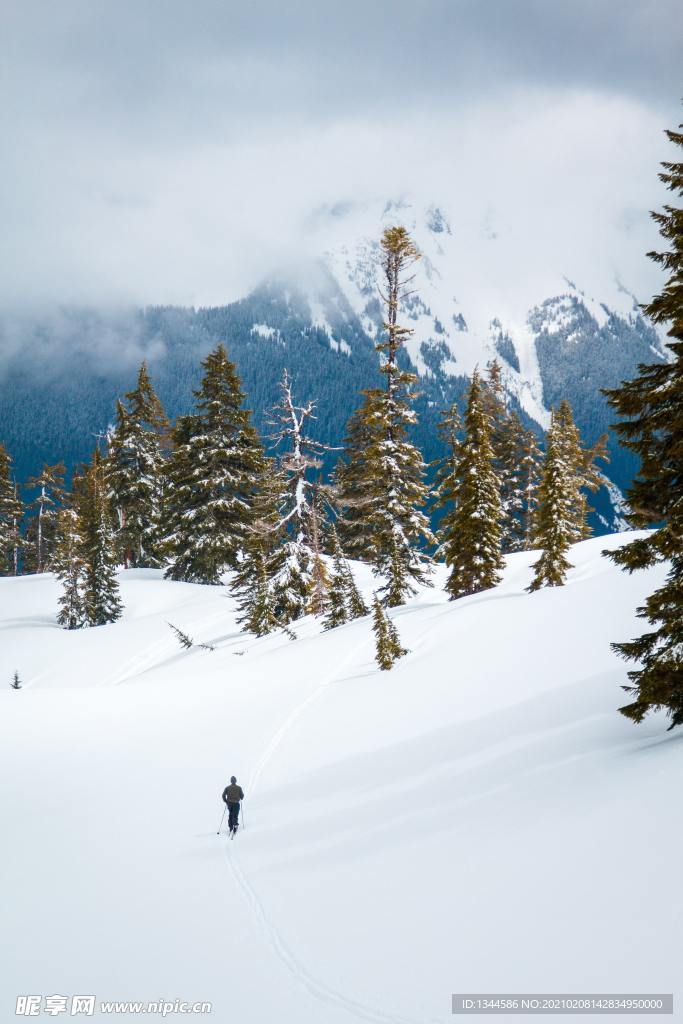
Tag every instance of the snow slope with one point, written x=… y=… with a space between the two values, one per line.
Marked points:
x=478 y=819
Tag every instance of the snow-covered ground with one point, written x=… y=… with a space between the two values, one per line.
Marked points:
x=478 y=819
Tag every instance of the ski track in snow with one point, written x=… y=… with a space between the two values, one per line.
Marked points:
x=322 y=991
x=149 y=657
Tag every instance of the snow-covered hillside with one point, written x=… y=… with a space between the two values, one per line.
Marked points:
x=478 y=819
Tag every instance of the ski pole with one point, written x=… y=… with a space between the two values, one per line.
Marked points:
x=243 y=827
x=221 y=824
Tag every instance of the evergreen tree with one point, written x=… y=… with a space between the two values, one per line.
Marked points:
x=136 y=472
x=69 y=567
x=508 y=439
x=16 y=681
x=337 y=611
x=11 y=512
x=446 y=479
x=357 y=607
x=530 y=474
x=382 y=487
x=587 y=475
x=513 y=452
x=101 y=601
x=470 y=529
x=556 y=514
x=651 y=425
x=388 y=648
x=354 y=498
x=212 y=478
x=561 y=517
x=263 y=557
x=42 y=526
x=344 y=598
x=320 y=581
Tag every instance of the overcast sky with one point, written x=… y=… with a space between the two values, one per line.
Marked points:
x=172 y=150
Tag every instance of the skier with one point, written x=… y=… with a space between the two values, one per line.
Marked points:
x=232 y=795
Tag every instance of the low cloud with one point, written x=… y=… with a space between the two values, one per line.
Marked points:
x=166 y=153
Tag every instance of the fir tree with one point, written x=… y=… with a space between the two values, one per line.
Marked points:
x=354 y=497
x=382 y=488
x=556 y=514
x=69 y=567
x=263 y=557
x=136 y=472
x=470 y=529
x=388 y=648
x=508 y=439
x=16 y=681
x=561 y=517
x=530 y=474
x=651 y=425
x=212 y=477
x=344 y=599
x=337 y=610
x=42 y=526
x=320 y=582
x=582 y=460
x=11 y=512
x=355 y=603
x=96 y=522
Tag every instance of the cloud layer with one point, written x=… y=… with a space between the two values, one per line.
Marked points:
x=174 y=152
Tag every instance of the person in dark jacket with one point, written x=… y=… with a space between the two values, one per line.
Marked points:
x=232 y=795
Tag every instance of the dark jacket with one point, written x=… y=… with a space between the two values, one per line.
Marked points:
x=232 y=794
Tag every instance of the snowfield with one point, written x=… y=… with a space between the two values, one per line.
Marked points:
x=479 y=819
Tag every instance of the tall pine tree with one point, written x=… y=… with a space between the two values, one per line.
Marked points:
x=470 y=529
x=11 y=512
x=101 y=602
x=651 y=425
x=136 y=472
x=68 y=565
x=530 y=474
x=555 y=521
x=212 y=478
x=382 y=488
x=508 y=439
x=263 y=557
x=561 y=519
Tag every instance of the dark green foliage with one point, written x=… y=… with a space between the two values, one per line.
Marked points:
x=388 y=648
x=555 y=520
x=69 y=567
x=344 y=599
x=16 y=681
x=561 y=516
x=583 y=460
x=651 y=426
x=263 y=557
x=509 y=442
x=212 y=477
x=101 y=603
x=469 y=485
x=350 y=483
x=11 y=512
x=41 y=529
x=136 y=473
